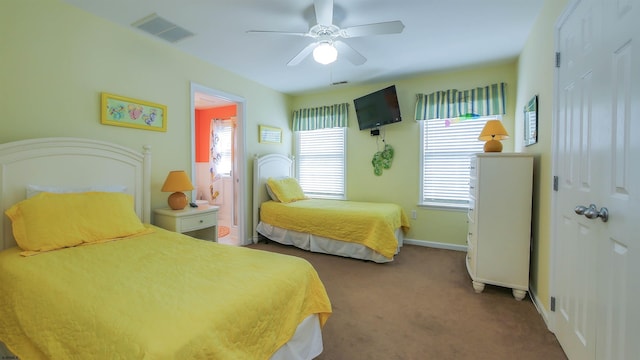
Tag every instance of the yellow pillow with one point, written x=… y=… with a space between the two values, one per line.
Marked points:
x=286 y=189
x=51 y=221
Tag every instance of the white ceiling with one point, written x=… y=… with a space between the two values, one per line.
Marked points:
x=438 y=35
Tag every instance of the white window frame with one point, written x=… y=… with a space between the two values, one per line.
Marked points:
x=337 y=178
x=452 y=191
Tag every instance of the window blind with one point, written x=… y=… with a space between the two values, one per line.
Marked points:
x=447 y=145
x=320 y=162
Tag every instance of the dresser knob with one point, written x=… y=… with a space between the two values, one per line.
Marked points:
x=201 y=221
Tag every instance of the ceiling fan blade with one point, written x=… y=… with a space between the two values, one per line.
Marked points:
x=324 y=11
x=302 y=54
x=277 y=32
x=350 y=53
x=390 y=27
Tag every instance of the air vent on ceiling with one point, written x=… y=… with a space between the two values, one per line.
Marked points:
x=162 y=28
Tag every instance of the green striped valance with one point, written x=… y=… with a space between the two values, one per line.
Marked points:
x=448 y=104
x=323 y=117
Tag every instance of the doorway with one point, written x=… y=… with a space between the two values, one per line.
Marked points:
x=217 y=139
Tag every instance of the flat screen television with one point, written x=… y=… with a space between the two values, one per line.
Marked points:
x=378 y=108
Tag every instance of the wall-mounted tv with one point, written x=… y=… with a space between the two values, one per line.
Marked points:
x=378 y=108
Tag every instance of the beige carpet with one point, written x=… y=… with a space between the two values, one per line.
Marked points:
x=422 y=306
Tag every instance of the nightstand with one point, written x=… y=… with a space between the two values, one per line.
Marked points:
x=201 y=222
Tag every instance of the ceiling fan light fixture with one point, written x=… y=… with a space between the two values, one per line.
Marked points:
x=325 y=53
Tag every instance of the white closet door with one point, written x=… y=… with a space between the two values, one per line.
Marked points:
x=597 y=263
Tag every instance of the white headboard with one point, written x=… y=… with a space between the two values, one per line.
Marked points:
x=264 y=167
x=71 y=162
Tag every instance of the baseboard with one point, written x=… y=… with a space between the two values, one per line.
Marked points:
x=434 y=244
x=546 y=316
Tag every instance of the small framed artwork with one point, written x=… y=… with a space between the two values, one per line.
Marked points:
x=270 y=135
x=531 y=122
x=122 y=111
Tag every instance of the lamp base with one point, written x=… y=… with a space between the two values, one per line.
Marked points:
x=493 y=146
x=177 y=200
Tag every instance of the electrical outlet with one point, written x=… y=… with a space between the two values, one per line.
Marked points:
x=414 y=215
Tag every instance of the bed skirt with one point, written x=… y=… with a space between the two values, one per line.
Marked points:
x=324 y=245
x=305 y=344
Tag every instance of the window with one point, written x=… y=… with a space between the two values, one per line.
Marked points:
x=320 y=162
x=447 y=145
x=222 y=146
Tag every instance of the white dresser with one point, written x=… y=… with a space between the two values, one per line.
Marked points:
x=499 y=217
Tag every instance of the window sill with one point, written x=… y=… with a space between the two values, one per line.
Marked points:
x=447 y=207
x=329 y=197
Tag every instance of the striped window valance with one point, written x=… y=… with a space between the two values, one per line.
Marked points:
x=448 y=104
x=324 y=117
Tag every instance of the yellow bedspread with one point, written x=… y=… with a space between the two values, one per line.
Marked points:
x=370 y=224
x=157 y=296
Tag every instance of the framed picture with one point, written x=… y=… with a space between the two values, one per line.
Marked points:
x=270 y=134
x=122 y=111
x=531 y=122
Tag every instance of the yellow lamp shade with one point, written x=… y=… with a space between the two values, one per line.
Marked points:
x=177 y=182
x=492 y=133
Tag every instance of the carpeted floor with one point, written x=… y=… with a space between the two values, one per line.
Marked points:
x=422 y=306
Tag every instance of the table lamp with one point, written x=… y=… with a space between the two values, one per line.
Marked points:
x=177 y=181
x=492 y=133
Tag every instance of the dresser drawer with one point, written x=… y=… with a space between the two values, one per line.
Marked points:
x=471 y=260
x=473 y=186
x=473 y=166
x=195 y=222
x=471 y=254
x=472 y=236
x=201 y=223
x=471 y=213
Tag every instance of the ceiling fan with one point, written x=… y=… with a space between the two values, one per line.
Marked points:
x=327 y=36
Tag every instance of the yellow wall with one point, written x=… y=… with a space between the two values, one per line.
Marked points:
x=55 y=60
x=536 y=76
x=401 y=183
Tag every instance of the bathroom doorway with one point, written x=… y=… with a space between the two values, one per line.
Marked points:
x=217 y=158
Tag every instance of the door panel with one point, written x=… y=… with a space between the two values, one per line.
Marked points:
x=576 y=236
x=576 y=324
x=619 y=128
x=597 y=262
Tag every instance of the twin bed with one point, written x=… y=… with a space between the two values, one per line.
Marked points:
x=141 y=291
x=360 y=230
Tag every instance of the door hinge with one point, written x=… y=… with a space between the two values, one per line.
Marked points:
x=553 y=304
x=555 y=183
x=557 y=59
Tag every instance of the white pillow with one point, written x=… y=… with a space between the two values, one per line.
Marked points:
x=33 y=190
x=271 y=194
